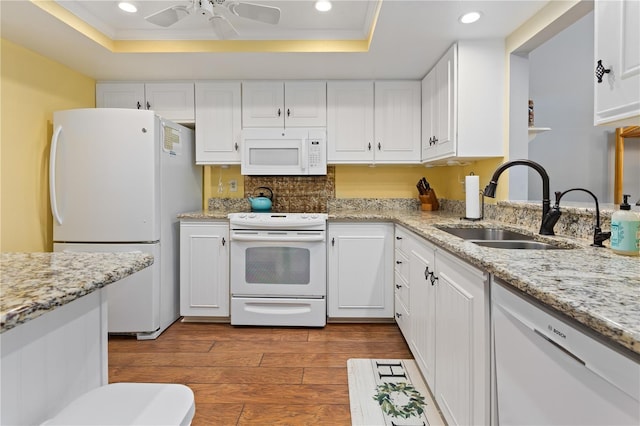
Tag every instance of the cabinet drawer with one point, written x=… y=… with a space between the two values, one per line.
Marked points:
x=401 y=288
x=401 y=264
x=402 y=240
x=403 y=318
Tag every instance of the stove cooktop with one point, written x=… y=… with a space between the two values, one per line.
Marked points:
x=269 y=220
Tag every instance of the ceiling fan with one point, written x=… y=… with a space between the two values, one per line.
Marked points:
x=214 y=11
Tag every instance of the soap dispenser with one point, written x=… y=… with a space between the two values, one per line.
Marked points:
x=625 y=230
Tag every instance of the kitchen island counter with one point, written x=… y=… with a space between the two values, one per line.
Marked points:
x=32 y=284
x=593 y=286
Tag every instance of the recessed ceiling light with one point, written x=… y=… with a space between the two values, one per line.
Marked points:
x=323 y=5
x=128 y=7
x=469 y=18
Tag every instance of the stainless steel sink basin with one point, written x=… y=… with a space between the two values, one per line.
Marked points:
x=485 y=233
x=521 y=245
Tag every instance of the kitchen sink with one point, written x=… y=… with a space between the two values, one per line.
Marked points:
x=518 y=245
x=485 y=233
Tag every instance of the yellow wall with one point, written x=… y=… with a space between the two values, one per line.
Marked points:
x=382 y=181
x=32 y=87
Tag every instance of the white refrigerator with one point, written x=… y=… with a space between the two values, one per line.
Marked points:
x=118 y=178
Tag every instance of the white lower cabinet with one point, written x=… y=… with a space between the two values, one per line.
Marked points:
x=449 y=331
x=422 y=302
x=360 y=275
x=462 y=382
x=204 y=268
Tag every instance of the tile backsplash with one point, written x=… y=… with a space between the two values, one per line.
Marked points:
x=307 y=194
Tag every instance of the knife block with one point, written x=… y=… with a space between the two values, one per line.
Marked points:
x=429 y=201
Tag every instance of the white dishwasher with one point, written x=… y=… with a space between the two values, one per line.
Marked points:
x=549 y=373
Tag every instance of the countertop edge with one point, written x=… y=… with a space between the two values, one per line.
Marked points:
x=31 y=295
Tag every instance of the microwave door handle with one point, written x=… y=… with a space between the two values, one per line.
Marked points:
x=305 y=155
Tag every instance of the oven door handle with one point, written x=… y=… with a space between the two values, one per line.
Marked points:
x=278 y=238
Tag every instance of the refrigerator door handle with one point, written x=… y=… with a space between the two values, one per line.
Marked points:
x=52 y=174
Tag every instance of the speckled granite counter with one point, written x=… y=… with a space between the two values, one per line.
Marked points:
x=597 y=288
x=32 y=284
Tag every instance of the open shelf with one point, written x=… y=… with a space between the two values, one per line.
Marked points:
x=533 y=131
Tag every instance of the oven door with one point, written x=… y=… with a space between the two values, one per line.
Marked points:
x=278 y=263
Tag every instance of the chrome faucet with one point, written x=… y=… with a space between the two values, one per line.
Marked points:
x=490 y=189
x=552 y=217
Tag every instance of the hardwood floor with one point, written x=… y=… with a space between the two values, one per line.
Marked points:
x=257 y=375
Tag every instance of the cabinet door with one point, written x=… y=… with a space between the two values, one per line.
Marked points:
x=429 y=116
x=218 y=123
x=617 y=34
x=263 y=104
x=120 y=95
x=173 y=101
x=305 y=104
x=204 y=269
x=462 y=342
x=350 y=121
x=360 y=258
x=422 y=305
x=444 y=119
x=397 y=121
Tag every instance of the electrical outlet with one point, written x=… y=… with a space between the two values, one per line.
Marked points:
x=233 y=185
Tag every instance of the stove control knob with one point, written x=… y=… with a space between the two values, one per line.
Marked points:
x=303 y=216
x=314 y=216
x=243 y=215
x=252 y=215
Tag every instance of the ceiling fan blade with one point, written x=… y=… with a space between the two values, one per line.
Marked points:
x=257 y=12
x=168 y=16
x=223 y=28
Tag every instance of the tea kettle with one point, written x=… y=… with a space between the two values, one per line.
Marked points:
x=262 y=203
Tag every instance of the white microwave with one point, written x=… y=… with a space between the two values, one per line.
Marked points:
x=296 y=151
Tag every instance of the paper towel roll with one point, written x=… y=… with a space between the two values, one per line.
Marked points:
x=472 y=188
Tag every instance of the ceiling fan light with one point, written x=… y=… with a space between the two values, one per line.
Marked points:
x=127 y=7
x=470 y=18
x=323 y=5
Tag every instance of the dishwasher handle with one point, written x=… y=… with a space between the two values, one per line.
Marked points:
x=559 y=346
x=278 y=238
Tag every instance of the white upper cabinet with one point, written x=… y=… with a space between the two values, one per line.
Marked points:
x=218 y=122
x=173 y=101
x=438 y=108
x=617 y=41
x=284 y=104
x=349 y=121
x=464 y=100
x=373 y=122
x=120 y=95
x=397 y=121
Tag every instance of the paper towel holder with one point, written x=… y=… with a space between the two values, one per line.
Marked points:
x=474 y=219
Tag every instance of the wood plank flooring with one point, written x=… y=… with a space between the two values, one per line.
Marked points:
x=257 y=375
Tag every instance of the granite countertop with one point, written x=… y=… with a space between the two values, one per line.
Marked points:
x=594 y=286
x=32 y=284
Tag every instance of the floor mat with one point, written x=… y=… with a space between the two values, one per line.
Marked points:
x=389 y=392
